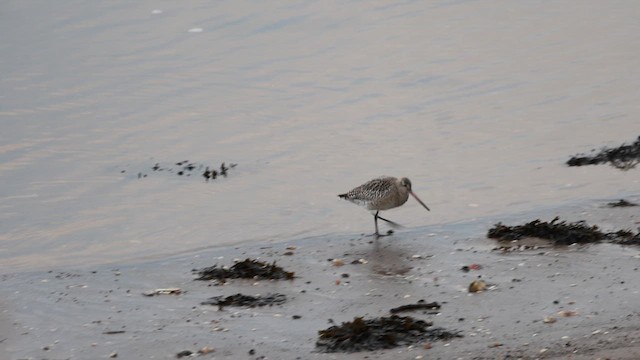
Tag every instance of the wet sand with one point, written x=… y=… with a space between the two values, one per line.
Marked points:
x=95 y=312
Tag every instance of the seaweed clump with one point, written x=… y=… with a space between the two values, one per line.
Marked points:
x=624 y=237
x=246 y=269
x=623 y=157
x=559 y=232
x=621 y=203
x=186 y=168
x=379 y=333
x=246 y=300
x=562 y=233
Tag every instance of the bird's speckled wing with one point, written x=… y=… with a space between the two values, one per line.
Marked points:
x=370 y=191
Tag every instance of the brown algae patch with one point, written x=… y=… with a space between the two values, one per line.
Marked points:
x=246 y=269
x=379 y=333
x=561 y=233
x=623 y=157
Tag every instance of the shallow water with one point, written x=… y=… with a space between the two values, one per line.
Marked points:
x=479 y=103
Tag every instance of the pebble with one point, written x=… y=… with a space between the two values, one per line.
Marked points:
x=338 y=262
x=206 y=350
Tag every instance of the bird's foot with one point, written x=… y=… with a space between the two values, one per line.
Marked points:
x=378 y=235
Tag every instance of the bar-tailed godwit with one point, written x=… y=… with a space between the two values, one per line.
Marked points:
x=382 y=194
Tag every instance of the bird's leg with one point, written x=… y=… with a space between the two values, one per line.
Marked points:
x=394 y=224
x=375 y=221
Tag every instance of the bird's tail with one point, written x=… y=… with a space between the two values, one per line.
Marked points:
x=342 y=196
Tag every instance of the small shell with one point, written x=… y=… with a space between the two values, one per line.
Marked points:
x=567 y=313
x=206 y=350
x=477 y=285
x=168 y=291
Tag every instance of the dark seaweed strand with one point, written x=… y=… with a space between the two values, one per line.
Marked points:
x=621 y=203
x=419 y=306
x=246 y=300
x=624 y=157
x=624 y=237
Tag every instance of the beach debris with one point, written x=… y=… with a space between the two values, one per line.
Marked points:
x=246 y=269
x=113 y=355
x=337 y=262
x=621 y=203
x=186 y=168
x=379 y=333
x=167 y=291
x=467 y=268
x=624 y=157
x=420 y=305
x=567 y=313
x=184 y=353
x=246 y=300
x=508 y=249
x=477 y=286
x=562 y=313
x=562 y=233
x=113 y=332
x=206 y=350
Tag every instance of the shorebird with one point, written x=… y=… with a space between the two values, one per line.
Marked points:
x=383 y=193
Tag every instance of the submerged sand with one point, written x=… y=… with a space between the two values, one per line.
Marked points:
x=578 y=302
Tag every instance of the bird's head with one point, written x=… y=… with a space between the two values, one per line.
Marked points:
x=404 y=182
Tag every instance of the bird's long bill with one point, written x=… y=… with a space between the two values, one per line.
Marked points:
x=420 y=201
